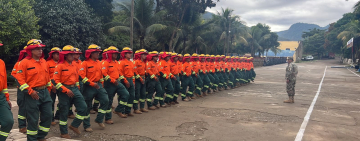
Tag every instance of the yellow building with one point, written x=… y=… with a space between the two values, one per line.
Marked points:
x=288 y=45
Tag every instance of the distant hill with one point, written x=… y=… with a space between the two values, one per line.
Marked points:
x=207 y=15
x=295 y=31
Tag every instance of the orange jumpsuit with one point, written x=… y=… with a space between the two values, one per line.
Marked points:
x=140 y=88
x=166 y=83
x=154 y=84
x=187 y=81
x=127 y=75
x=6 y=120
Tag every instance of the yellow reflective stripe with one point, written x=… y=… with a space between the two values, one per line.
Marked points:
x=79 y=117
x=23 y=87
x=149 y=100
x=21 y=117
x=85 y=80
x=29 y=132
x=42 y=128
x=190 y=93
x=5 y=91
x=152 y=76
x=184 y=73
x=175 y=95
x=49 y=84
x=206 y=86
x=183 y=95
x=63 y=122
x=58 y=85
x=161 y=98
x=101 y=80
x=157 y=98
x=164 y=75
x=101 y=111
x=169 y=96
x=4 y=134
x=193 y=72
x=77 y=84
x=142 y=100
x=107 y=77
x=137 y=76
x=86 y=117
x=198 y=88
x=121 y=77
x=130 y=105
x=135 y=101
x=123 y=103
x=108 y=111
x=96 y=101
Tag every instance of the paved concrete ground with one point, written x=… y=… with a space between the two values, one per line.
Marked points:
x=255 y=112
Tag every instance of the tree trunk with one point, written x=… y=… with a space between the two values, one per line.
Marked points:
x=157 y=6
x=176 y=29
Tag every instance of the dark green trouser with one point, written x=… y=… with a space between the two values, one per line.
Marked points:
x=248 y=75
x=6 y=118
x=21 y=113
x=226 y=79
x=131 y=91
x=101 y=94
x=176 y=85
x=221 y=79
x=231 y=81
x=242 y=77
x=214 y=80
x=168 y=88
x=198 y=84
x=236 y=76
x=152 y=86
x=34 y=109
x=123 y=97
x=65 y=102
x=206 y=82
x=253 y=74
x=96 y=103
x=140 y=94
x=185 y=82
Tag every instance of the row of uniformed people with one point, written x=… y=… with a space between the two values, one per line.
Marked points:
x=135 y=82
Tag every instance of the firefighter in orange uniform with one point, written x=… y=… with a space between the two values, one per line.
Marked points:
x=165 y=76
x=219 y=72
x=127 y=77
x=195 y=74
x=110 y=70
x=223 y=71
x=66 y=80
x=153 y=83
x=203 y=75
x=209 y=72
x=20 y=95
x=91 y=76
x=34 y=80
x=175 y=69
x=6 y=117
x=96 y=104
x=186 y=80
x=213 y=72
x=140 y=86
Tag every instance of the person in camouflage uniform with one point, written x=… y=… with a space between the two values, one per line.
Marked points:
x=290 y=77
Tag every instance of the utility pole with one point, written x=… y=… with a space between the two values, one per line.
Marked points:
x=132 y=26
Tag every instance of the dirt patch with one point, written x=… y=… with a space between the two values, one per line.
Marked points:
x=114 y=137
x=249 y=115
x=196 y=128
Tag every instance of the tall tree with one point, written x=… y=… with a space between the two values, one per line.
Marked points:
x=102 y=9
x=74 y=25
x=18 y=24
x=178 y=9
x=146 y=21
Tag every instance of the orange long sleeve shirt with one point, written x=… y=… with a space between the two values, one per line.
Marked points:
x=212 y=67
x=187 y=69
x=3 y=80
x=77 y=63
x=222 y=66
x=15 y=69
x=66 y=74
x=110 y=71
x=51 y=67
x=32 y=73
x=126 y=69
x=140 y=67
x=165 y=69
x=152 y=69
x=195 y=66
x=174 y=68
x=90 y=72
x=203 y=67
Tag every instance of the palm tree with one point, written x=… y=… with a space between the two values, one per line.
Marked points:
x=146 y=21
x=225 y=20
x=257 y=37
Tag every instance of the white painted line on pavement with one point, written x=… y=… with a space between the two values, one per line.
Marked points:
x=353 y=72
x=300 y=134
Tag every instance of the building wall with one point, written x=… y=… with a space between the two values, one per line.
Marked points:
x=292 y=45
x=298 y=52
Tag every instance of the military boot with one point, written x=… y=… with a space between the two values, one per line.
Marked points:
x=292 y=99
x=289 y=100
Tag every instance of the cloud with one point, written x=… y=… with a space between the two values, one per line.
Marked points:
x=281 y=14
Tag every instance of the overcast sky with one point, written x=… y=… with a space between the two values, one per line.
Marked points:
x=281 y=14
